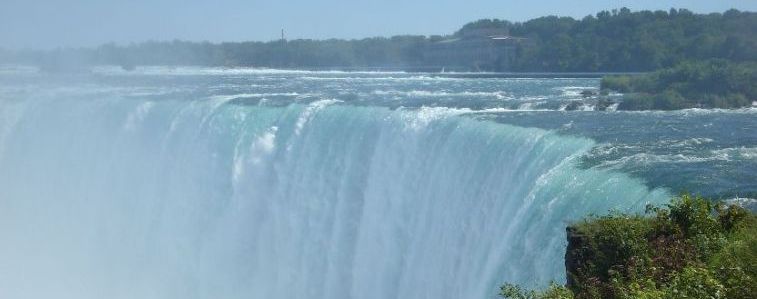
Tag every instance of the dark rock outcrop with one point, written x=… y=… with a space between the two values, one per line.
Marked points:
x=576 y=257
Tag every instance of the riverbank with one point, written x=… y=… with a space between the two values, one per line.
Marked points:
x=705 y=84
x=690 y=248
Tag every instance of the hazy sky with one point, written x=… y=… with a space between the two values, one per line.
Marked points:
x=51 y=23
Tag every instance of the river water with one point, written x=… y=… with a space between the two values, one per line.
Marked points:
x=245 y=183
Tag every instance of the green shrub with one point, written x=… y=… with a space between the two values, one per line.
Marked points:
x=615 y=237
x=645 y=289
x=553 y=292
x=736 y=264
x=695 y=282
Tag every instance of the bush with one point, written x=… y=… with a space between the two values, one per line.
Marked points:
x=553 y=292
x=695 y=282
x=735 y=265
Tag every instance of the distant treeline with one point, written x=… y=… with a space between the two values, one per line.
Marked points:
x=613 y=41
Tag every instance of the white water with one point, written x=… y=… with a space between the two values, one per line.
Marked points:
x=121 y=198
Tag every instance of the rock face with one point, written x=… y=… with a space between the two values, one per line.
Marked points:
x=589 y=261
x=577 y=255
x=589 y=93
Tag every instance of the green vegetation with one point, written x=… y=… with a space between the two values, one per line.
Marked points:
x=626 y=41
x=553 y=292
x=690 y=248
x=715 y=83
x=611 y=41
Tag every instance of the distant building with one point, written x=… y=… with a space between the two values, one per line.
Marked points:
x=475 y=50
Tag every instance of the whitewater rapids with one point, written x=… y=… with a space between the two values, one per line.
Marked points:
x=131 y=198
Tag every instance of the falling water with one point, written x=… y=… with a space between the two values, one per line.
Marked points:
x=131 y=198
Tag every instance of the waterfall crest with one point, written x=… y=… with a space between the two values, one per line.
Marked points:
x=126 y=198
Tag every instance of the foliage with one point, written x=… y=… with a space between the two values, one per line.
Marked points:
x=622 y=40
x=714 y=83
x=690 y=248
x=736 y=264
x=553 y=292
x=694 y=282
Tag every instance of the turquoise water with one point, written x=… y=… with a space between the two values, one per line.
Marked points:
x=209 y=183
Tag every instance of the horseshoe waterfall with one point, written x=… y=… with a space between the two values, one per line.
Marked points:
x=126 y=198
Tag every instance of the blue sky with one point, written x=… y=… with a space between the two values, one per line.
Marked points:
x=70 y=23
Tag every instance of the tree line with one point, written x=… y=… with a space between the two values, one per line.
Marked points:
x=610 y=41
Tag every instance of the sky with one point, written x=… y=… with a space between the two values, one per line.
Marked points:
x=46 y=24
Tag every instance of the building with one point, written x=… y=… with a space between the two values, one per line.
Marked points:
x=475 y=50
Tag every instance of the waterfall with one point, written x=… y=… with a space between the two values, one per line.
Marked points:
x=129 y=198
